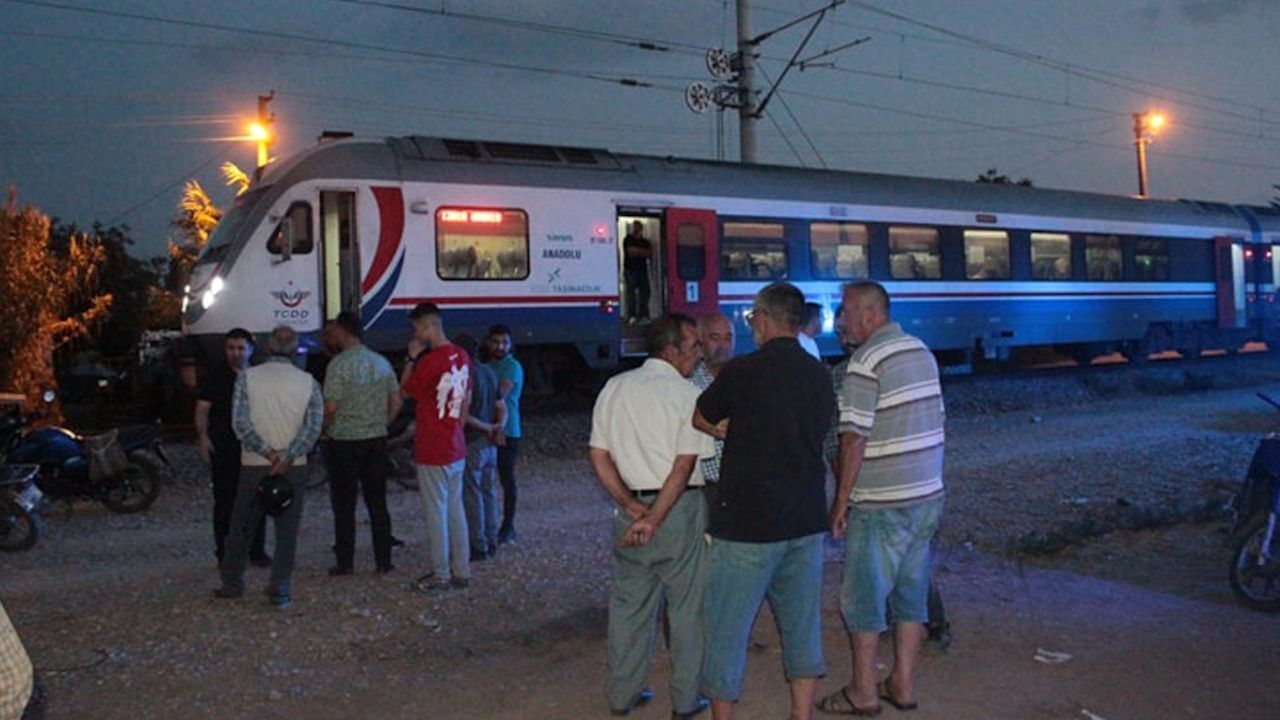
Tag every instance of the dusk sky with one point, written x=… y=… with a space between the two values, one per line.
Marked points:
x=106 y=108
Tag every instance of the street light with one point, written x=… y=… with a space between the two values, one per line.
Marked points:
x=1145 y=126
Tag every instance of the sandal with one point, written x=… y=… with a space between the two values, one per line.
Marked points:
x=839 y=703
x=888 y=697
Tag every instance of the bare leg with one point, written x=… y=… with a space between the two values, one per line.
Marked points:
x=721 y=710
x=862 y=687
x=802 y=691
x=907 y=639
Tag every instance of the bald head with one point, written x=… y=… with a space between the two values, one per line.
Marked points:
x=715 y=331
x=866 y=309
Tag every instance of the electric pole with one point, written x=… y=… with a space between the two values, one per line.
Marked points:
x=261 y=132
x=746 y=86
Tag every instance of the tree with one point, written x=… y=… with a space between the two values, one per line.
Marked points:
x=49 y=294
x=994 y=177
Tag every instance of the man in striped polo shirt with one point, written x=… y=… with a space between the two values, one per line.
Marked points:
x=889 y=496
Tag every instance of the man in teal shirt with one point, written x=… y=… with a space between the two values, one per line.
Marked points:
x=361 y=396
x=510 y=384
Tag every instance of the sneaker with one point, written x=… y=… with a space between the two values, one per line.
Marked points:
x=384 y=569
x=506 y=536
x=262 y=561
x=428 y=583
x=281 y=601
x=227 y=593
x=460 y=583
x=337 y=570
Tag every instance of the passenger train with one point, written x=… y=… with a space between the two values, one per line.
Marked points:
x=530 y=236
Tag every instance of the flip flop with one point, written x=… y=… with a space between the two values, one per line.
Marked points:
x=888 y=697
x=839 y=703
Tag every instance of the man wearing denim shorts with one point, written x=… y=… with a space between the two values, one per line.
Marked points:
x=768 y=510
x=888 y=499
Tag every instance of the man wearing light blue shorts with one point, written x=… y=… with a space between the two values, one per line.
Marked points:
x=889 y=498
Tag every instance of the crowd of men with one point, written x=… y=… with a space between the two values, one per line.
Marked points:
x=258 y=426
x=695 y=444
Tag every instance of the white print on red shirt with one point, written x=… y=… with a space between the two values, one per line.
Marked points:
x=450 y=391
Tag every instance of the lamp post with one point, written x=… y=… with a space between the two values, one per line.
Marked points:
x=260 y=132
x=1145 y=125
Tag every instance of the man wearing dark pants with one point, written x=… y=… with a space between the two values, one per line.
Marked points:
x=218 y=444
x=510 y=385
x=361 y=395
x=768 y=510
x=277 y=413
x=645 y=453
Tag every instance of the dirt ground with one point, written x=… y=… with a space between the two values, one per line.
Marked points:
x=117 y=614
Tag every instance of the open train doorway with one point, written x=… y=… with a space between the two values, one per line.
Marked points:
x=640 y=275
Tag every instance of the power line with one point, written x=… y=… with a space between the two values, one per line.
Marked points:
x=152 y=198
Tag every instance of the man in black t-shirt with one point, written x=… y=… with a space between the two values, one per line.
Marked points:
x=218 y=444
x=636 y=251
x=768 y=510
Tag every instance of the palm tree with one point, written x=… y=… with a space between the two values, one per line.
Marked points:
x=235 y=177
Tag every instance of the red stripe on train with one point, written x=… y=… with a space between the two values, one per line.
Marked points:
x=391 y=215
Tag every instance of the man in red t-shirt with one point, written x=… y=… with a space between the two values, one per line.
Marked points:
x=437 y=376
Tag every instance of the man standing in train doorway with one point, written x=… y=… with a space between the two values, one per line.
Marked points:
x=510 y=385
x=636 y=252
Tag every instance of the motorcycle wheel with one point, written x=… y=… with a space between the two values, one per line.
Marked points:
x=135 y=489
x=19 y=528
x=1256 y=586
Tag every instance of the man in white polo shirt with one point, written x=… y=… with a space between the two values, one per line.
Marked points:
x=645 y=452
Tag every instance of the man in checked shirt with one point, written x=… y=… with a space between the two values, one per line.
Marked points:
x=715 y=332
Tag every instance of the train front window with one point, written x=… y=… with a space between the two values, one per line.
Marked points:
x=299 y=216
x=482 y=244
x=1103 y=257
x=986 y=254
x=915 y=253
x=838 y=250
x=1151 y=259
x=1050 y=256
x=753 y=251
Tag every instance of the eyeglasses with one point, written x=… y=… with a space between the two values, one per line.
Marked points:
x=754 y=313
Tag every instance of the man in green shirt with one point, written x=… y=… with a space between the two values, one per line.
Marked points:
x=361 y=396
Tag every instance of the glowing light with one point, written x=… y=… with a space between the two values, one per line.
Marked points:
x=601 y=231
x=485 y=216
x=1155 y=122
x=475 y=216
x=453 y=215
x=259 y=132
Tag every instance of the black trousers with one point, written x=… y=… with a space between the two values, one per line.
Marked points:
x=356 y=465
x=507 y=476
x=225 y=462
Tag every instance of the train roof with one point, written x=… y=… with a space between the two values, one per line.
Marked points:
x=432 y=159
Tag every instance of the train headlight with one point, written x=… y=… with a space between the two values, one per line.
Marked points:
x=215 y=287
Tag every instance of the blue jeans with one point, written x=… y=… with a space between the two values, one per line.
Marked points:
x=740 y=577
x=886 y=564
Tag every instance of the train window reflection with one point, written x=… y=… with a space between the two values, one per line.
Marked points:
x=691 y=255
x=482 y=244
x=1050 y=256
x=838 y=250
x=753 y=250
x=1103 y=257
x=986 y=254
x=1151 y=259
x=914 y=253
x=303 y=240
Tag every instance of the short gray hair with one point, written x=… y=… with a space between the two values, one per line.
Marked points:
x=783 y=302
x=870 y=289
x=667 y=331
x=282 y=341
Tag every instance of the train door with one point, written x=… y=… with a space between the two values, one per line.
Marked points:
x=290 y=279
x=341 y=252
x=692 y=261
x=640 y=255
x=1229 y=263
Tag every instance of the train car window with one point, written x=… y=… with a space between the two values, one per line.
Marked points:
x=753 y=250
x=1103 y=258
x=1050 y=256
x=1151 y=259
x=482 y=244
x=986 y=255
x=838 y=250
x=915 y=253
x=303 y=239
x=691 y=255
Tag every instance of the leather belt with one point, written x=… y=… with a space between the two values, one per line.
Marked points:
x=651 y=494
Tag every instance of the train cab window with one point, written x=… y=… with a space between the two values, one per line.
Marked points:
x=986 y=255
x=299 y=216
x=1103 y=257
x=1151 y=259
x=753 y=251
x=838 y=250
x=915 y=253
x=1050 y=256
x=482 y=244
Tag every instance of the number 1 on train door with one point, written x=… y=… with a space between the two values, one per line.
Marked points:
x=691 y=254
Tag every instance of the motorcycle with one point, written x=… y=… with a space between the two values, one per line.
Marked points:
x=20 y=502
x=115 y=468
x=1255 y=564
